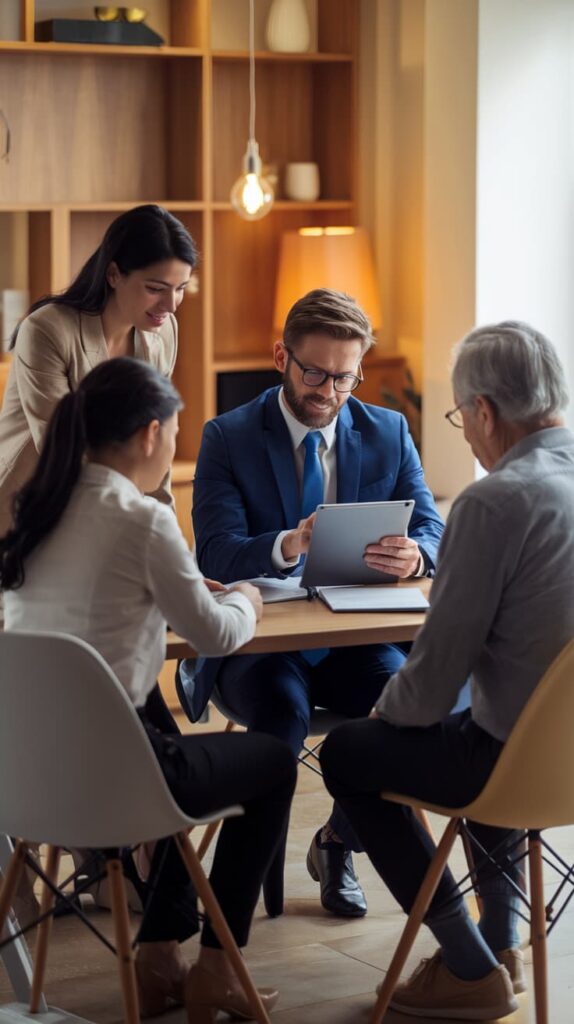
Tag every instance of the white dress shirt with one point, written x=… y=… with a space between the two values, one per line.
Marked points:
x=328 y=456
x=114 y=570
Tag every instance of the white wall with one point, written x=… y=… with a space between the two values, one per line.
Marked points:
x=525 y=168
x=449 y=184
x=498 y=191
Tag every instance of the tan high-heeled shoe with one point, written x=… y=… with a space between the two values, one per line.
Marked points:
x=206 y=994
x=156 y=991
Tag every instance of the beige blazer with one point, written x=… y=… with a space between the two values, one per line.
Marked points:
x=55 y=349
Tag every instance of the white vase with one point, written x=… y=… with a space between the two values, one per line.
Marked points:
x=302 y=182
x=288 y=29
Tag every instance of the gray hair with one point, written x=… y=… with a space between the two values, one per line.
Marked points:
x=514 y=366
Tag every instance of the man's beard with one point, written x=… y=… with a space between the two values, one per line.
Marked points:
x=304 y=409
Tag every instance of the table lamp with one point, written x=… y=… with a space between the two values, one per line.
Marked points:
x=333 y=257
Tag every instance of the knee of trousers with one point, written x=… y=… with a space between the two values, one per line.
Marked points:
x=335 y=752
x=279 y=715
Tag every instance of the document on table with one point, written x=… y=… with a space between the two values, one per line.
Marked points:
x=373 y=599
x=273 y=590
x=383 y=598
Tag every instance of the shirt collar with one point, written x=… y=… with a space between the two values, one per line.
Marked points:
x=298 y=431
x=96 y=473
x=548 y=437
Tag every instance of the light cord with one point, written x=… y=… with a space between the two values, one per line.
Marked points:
x=251 y=70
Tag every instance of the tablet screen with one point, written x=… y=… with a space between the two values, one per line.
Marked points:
x=340 y=536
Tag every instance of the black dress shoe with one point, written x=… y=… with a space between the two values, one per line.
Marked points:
x=332 y=866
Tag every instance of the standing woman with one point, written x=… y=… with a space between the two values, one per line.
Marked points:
x=83 y=516
x=122 y=303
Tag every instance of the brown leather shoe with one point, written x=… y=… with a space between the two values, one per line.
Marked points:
x=513 y=960
x=434 y=991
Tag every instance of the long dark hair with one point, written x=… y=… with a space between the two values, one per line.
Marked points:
x=136 y=239
x=112 y=402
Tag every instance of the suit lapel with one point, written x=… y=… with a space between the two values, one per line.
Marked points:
x=348 y=443
x=93 y=341
x=277 y=440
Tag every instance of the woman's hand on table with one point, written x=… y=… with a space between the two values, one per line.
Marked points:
x=214 y=586
x=252 y=594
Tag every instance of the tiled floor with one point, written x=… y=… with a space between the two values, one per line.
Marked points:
x=326 y=968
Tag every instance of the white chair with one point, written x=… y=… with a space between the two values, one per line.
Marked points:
x=77 y=770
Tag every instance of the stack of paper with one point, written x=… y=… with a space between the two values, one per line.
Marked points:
x=373 y=599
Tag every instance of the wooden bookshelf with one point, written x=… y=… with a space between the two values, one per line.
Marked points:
x=98 y=129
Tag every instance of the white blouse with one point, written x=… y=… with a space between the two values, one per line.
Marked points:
x=114 y=570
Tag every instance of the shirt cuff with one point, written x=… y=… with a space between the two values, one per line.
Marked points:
x=421 y=567
x=277 y=560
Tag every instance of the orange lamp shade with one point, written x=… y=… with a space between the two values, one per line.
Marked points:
x=338 y=258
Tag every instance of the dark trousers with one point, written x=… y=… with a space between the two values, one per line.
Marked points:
x=205 y=773
x=275 y=694
x=447 y=764
x=158 y=713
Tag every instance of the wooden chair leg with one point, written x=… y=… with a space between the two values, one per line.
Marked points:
x=467 y=846
x=538 y=928
x=211 y=829
x=207 y=837
x=44 y=928
x=424 y=819
x=123 y=941
x=415 y=919
x=11 y=879
x=220 y=926
x=421 y=814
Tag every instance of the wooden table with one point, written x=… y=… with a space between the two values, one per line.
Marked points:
x=299 y=625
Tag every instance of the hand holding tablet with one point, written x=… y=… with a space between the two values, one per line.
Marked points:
x=341 y=535
x=398 y=556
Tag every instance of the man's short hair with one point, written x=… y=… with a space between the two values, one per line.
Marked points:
x=324 y=311
x=514 y=366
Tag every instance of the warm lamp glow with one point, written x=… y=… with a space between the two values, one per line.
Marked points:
x=333 y=257
x=252 y=195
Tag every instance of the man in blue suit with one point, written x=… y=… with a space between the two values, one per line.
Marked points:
x=261 y=471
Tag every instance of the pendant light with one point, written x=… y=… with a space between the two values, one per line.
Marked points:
x=252 y=195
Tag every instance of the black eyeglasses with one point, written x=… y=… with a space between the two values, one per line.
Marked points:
x=454 y=417
x=314 y=378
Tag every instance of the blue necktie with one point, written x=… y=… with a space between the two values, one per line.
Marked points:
x=311 y=497
x=312 y=475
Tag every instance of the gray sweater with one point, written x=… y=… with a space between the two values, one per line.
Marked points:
x=502 y=604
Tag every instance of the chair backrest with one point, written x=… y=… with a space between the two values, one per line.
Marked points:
x=532 y=785
x=76 y=768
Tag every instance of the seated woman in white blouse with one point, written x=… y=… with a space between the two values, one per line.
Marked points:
x=89 y=555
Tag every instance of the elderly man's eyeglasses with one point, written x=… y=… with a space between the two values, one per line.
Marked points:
x=454 y=416
x=314 y=378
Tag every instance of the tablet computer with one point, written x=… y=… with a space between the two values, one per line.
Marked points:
x=341 y=534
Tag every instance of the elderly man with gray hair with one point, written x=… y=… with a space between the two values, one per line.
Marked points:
x=502 y=608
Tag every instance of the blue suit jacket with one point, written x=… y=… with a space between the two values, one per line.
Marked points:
x=246 y=491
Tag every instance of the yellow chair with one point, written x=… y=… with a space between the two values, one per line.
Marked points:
x=531 y=788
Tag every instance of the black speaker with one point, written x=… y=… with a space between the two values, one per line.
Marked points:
x=241 y=386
